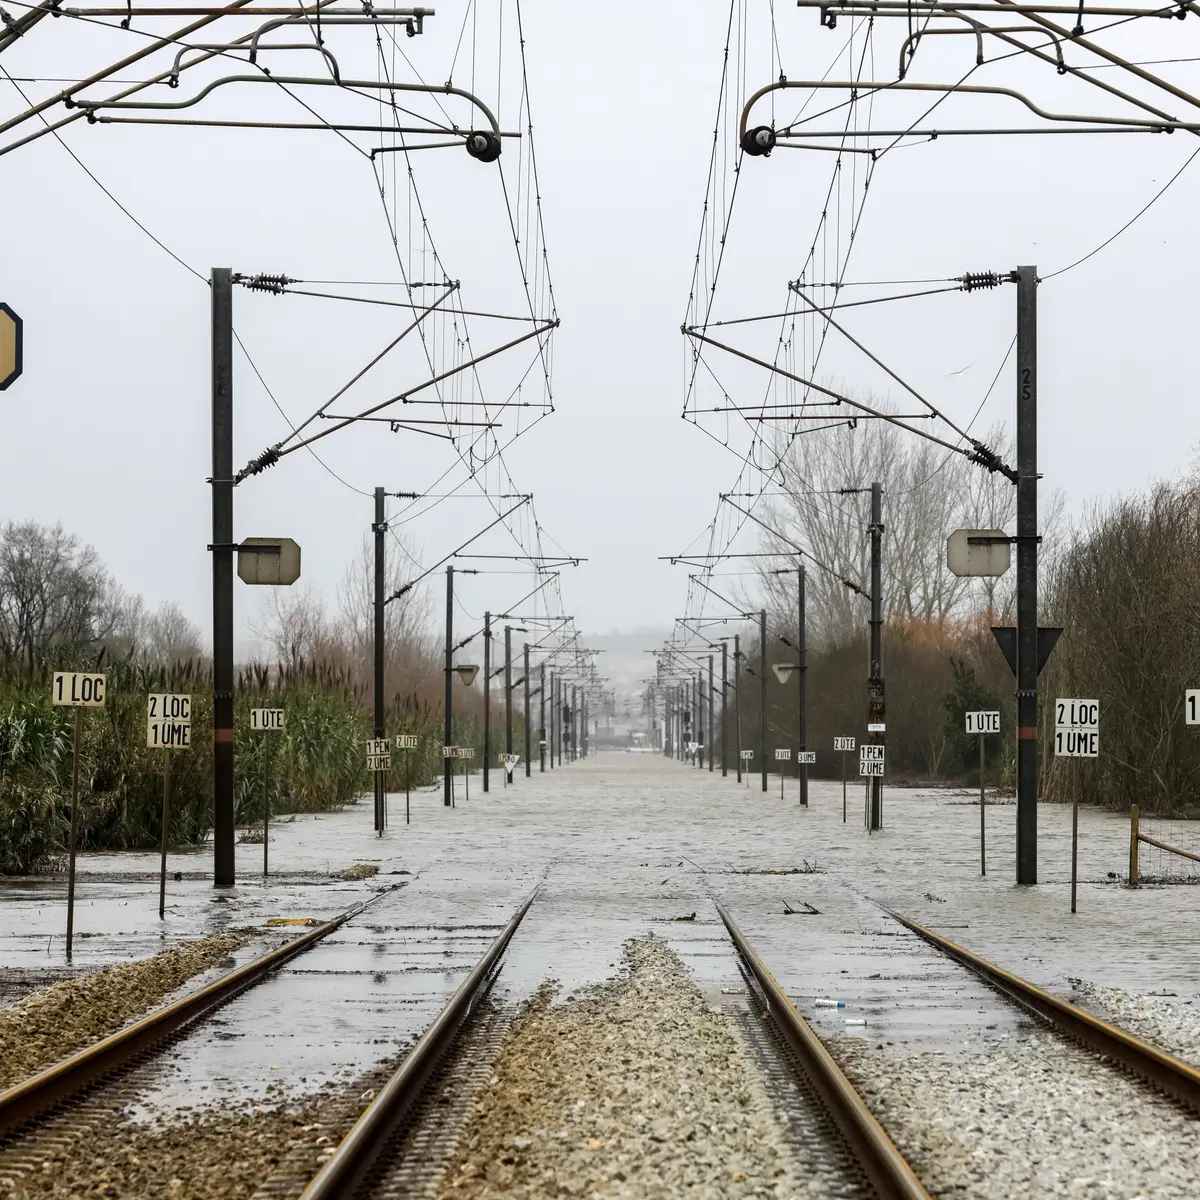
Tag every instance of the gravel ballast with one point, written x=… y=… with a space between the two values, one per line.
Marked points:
x=1027 y=1116
x=636 y=1088
x=1171 y=1022
x=43 y=1028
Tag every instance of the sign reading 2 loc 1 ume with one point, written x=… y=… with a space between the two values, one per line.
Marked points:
x=168 y=721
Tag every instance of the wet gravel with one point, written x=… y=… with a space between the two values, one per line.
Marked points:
x=1168 y=1021
x=1026 y=1116
x=212 y=1155
x=44 y=1027
x=634 y=1088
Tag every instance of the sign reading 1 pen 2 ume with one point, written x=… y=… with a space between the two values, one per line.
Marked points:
x=168 y=721
x=870 y=760
x=379 y=754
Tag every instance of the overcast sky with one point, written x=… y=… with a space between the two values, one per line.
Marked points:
x=108 y=431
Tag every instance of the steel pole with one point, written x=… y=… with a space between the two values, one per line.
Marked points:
x=379 y=528
x=487 y=695
x=762 y=691
x=1027 y=636
x=802 y=706
x=507 y=696
x=876 y=708
x=737 y=698
x=528 y=741
x=222 y=575
x=448 y=763
x=542 y=720
x=724 y=707
x=711 y=706
x=574 y=754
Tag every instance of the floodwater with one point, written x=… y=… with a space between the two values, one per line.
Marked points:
x=617 y=846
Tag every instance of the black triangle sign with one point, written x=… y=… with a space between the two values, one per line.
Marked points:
x=1006 y=639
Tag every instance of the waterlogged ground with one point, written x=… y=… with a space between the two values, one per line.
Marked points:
x=618 y=847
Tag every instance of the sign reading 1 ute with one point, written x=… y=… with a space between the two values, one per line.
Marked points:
x=983 y=722
x=1077 y=728
x=168 y=721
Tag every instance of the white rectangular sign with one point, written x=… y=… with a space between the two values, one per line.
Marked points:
x=464 y=751
x=78 y=689
x=747 y=753
x=1191 y=706
x=169 y=735
x=877 y=727
x=983 y=722
x=165 y=706
x=1077 y=743
x=870 y=767
x=379 y=762
x=406 y=741
x=264 y=720
x=1077 y=714
x=783 y=756
x=379 y=746
x=806 y=756
x=843 y=743
x=870 y=752
x=448 y=751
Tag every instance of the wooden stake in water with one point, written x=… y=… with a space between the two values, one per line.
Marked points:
x=1074 y=838
x=266 y=816
x=73 y=836
x=982 y=807
x=166 y=827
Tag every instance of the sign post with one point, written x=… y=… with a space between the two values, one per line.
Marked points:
x=804 y=758
x=843 y=744
x=870 y=766
x=745 y=756
x=465 y=753
x=75 y=689
x=379 y=759
x=266 y=720
x=1076 y=735
x=168 y=727
x=782 y=755
x=406 y=742
x=982 y=723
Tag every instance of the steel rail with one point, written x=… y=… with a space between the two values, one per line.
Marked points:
x=359 y=1149
x=1179 y=1079
x=62 y=1082
x=884 y=1166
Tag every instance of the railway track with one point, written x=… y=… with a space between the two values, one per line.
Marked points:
x=74 y=1077
x=1162 y=1070
x=411 y=1118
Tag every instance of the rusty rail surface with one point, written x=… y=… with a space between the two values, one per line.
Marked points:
x=27 y=1100
x=1174 y=1076
x=360 y=1149
x=884 y=1167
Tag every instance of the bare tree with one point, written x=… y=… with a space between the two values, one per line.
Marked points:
x=294 y=624
x=170 y=636
x=53 y=591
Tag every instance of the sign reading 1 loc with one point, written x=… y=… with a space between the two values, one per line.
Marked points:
x=168 y=721
x=11 y=352
x=77 y=689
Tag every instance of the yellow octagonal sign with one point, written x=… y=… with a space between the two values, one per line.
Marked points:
x=10 y=346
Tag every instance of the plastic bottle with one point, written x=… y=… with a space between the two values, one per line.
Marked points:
x=829 y=1003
